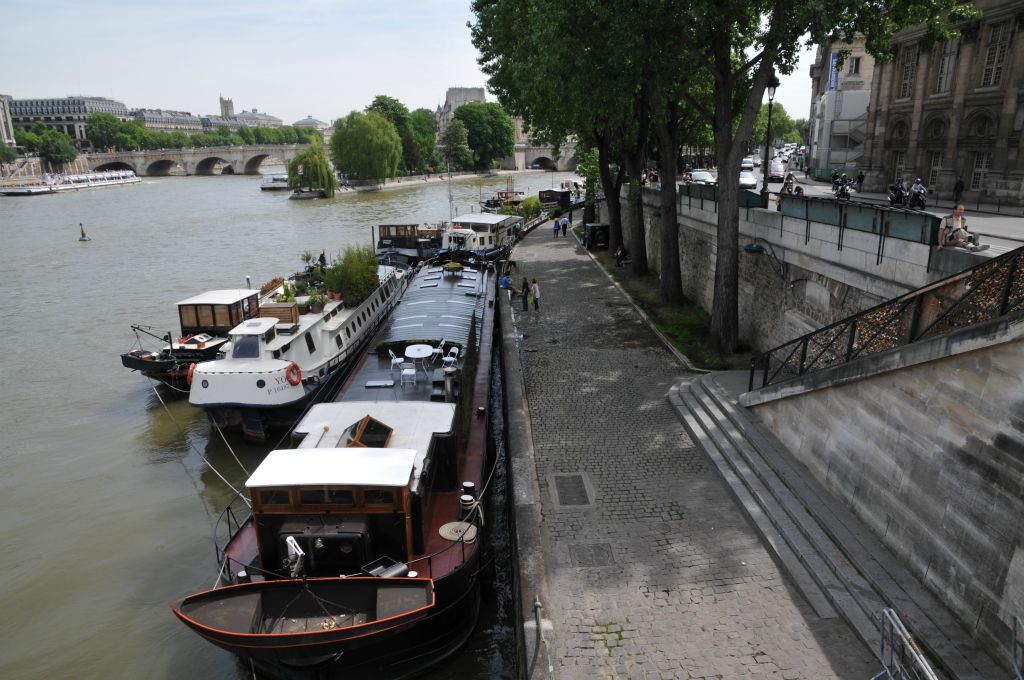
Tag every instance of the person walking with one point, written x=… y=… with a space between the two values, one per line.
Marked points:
x=860 y=181
x=506 y=285
x=555 y=225
x=565 y=226
x=535 y=294
x=958 y=190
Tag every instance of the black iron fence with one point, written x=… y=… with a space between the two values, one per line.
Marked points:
x=984 y=292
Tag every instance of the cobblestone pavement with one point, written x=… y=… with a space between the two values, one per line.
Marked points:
x=660 y=575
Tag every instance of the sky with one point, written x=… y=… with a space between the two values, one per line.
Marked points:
x=288 y=58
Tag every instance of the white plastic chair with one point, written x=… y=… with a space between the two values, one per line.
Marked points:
x=396 y=360
x=438 y=352
x=408 y=373
x=451 y=358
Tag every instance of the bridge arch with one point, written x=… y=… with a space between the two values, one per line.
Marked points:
x=210 y=163
x=543 y=162
x=115 y=165
x=161 y=167
x=252 y=166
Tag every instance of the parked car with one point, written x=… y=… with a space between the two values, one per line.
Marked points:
x=747 y=164
x=702 y=177
x=747 y=180
x=757 y=161
x=776 y=171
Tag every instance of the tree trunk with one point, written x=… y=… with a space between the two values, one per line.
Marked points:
x=611 y=187
x=671 y=287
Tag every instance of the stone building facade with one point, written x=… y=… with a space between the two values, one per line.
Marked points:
x=67 y=114
x=955 y=109
x=169 y=121
x=454 y=98
x=839 y=107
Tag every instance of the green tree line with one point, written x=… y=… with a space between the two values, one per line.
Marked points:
x=107 y=131
x=51 y=144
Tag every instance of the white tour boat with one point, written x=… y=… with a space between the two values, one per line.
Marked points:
x=51 y=184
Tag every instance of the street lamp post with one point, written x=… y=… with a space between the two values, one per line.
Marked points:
x=773 y=83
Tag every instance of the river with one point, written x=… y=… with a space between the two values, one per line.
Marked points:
x=107 y=503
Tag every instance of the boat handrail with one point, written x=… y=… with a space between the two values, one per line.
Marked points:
x=227 y=522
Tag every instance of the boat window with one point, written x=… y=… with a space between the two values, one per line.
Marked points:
x=309 y=343
x=337 y=340
x=326 y=497
x=205 y=315
x=222 y=315
x=348 y=332
x=367 y=432
x=269 y=335
x=245 y=347
x=378 y=497
x=274 y=497
x=188 y=316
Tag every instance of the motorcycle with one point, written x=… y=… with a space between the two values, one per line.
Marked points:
x=843 y=190
x=917 y=201
x=897 y=198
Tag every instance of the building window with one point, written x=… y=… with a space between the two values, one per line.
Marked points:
x=854 y=66
x=982 y=164
x=995 y=55
x=908 y=65
x=899 y=162
x=934 y=166
x=947 y=62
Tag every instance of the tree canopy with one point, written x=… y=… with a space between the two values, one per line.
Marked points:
x=107 y=131
x=423 y=126
x=455 y=147
x=56 y=147
x=8 y=154
x=489 y=132
x=310 y=169
x=366 y=145
x=395 y=111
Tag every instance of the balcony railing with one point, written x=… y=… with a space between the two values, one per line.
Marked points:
x=985 y=292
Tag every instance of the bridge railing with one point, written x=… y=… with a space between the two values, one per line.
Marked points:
x=984 y=292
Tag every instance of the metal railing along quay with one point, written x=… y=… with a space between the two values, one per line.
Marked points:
x=900 y=656
x=987 y=291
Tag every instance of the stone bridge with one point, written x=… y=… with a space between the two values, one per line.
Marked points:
x=241 y=160
x=527 y=155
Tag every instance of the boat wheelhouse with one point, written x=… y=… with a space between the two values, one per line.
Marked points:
x=408 y=244
x=205 y=321
x=275 y=181
x=509 y=198
x=483 y=235
x=281 y=361
x=363 y=550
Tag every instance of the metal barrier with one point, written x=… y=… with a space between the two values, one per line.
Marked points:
x=1018 y=647
x=984 y=292
x=900 y=656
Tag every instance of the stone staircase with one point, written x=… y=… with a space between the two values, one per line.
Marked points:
x=831 y=556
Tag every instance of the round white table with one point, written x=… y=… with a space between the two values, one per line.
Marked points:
x=418 y=354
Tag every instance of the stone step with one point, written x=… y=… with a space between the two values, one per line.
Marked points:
x=874 y=575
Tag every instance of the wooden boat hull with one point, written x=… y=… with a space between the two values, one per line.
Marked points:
x=305 y=620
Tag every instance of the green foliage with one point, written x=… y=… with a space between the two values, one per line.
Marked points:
x=588 y=167
x=354 y=274
x=784 y=128
x=530 y=207
x=395 y=111
x=27 y=139
x=57 y=147
x=366 y=145
x=310 y=169
x=8 y=154
x=489 y=132
x=455 y=147
x=423 y=125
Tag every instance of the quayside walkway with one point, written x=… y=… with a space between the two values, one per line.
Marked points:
x=643 y=562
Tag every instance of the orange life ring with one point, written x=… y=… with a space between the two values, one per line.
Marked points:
x=191 y=370
x=293 y=373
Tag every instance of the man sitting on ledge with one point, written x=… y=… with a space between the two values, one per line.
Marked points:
x=953 y=231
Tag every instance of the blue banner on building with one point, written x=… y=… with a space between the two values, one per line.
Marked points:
x=833 y=72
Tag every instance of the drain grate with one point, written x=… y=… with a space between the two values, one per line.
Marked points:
x=591 y=555
x=571 y=490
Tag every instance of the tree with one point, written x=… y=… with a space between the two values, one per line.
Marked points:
x=455 y=147
x=489 y=132
x=395 y=111
x=358 y=275
x=57 y=148
x=310 y=169
x=101 y=127
x=423 y=126
x=366 y=145
x=8 y=154
x=27 y=139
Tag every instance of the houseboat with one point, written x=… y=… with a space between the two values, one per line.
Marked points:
x=275 y=181
x=362 y=553
x=481 y=235
x=408 y=244
x=285 y=359
x=205 y=322
x=509 y=198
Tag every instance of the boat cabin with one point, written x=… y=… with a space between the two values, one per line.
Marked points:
x=397 y=236
x=480 y=231
x=217 y=311
x=354 y=491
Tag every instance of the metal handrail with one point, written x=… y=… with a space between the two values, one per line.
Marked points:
x=1017 y=657
x=987 y=291
x=900 y=656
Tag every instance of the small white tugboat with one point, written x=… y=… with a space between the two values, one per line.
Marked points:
x=283 y=361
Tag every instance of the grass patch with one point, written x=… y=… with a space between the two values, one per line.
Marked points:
x=686 y=326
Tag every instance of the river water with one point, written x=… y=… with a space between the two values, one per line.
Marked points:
x=108 y=507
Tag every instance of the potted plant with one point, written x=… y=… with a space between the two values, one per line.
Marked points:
x=316 y=302
x=334 y=279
